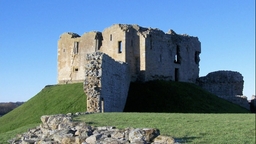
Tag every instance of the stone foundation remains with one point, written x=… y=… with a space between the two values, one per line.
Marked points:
x=225 y=84
x=106 y=83
x=60 y=129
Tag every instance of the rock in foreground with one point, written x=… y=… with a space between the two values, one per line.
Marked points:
x=60 y=129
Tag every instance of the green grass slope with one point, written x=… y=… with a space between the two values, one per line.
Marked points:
x=153 y=96
x=186 y=127
x=178 y=97
x=51 y=100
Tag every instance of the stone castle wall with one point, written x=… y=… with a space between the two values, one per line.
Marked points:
x=170 y=56
x=225 y=84
x=72 y=49
x=145 y=54
x=150 y=53
x=106 y=83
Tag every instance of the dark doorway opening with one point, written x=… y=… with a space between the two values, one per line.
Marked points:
x=176 y=74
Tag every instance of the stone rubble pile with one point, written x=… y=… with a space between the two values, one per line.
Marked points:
x=61 y=129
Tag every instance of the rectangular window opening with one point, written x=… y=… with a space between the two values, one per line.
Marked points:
x=119 y=46
x=75 y=69
x=110 y=37
x=76 y=47
x=177 y=56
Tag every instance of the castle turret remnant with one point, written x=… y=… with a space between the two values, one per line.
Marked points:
x=227 y=85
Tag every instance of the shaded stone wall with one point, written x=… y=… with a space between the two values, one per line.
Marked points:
x=106 y=83
x=170 y=56
x=225 y=84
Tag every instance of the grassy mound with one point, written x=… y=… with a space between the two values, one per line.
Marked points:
x=153 y=96
x=178 y=97
x=51 y=100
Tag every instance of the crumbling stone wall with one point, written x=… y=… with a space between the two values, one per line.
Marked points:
x=106 y=83
x=225 y=84
x=72 y=49
x=170 y=56
x=150 y=53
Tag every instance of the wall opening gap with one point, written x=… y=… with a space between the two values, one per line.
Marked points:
x=76 y=47
x=177 y=56
x=176 y=74
x=102 y=104
x=119 y=46
x=197 y=59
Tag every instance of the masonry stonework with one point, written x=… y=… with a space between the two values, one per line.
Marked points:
x=72 y=49
x=106 y=83
x=108 y=61
x=150 y=53
x=227 y=85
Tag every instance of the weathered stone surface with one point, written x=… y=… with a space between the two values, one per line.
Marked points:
x=225 y=84
x=164 y=140
x=150 y=134
x=137 y=135
x=150 y=53
x=80 y=133
x=106 y=83
x=108 y=61
x=93 y=138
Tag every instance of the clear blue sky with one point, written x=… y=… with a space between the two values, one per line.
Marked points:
x=29 y=31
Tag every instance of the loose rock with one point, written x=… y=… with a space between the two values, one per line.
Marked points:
x=60 y=129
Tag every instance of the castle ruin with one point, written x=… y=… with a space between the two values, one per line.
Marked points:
x=150 y=53
x=108 y=61
x=227 y=85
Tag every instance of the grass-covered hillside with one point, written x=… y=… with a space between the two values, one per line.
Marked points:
x=154 y=96
x=178 y=97
x=51 y=100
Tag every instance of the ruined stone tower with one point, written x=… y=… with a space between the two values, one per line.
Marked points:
x=108 y=61
x=150 y=53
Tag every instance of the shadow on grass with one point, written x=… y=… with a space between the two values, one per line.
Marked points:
x=91 y=123
x=185 y=139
